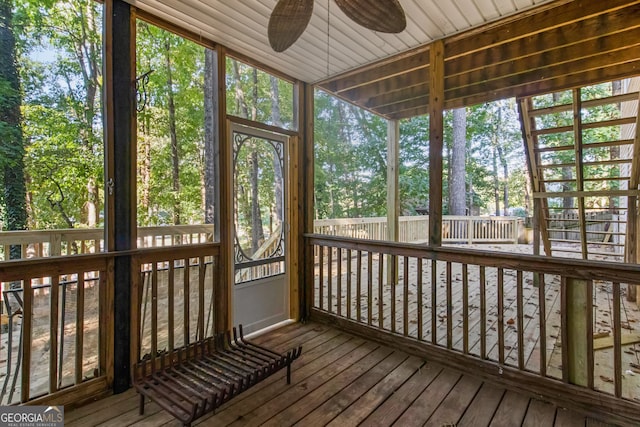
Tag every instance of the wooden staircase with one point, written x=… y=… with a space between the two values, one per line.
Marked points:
x=584 y=173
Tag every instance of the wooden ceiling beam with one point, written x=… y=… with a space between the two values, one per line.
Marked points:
x=395 y=97
x=363 y=93
x=577 y=38
x=398 y=108
x=412 y=112
x=563 y=82
x=561 y=14
x=415 y=61
x=599 y=68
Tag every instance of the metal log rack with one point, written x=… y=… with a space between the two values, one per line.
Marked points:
x=192 y=381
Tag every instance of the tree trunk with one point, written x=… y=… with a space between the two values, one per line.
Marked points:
x=494 y=171
x=457 y=193
x=175 y=160
x=257 y=231
x=210 y=135
x=277 y=168
x=11 y=138
x=567 y=202
x=87 y=55
x=505 y=182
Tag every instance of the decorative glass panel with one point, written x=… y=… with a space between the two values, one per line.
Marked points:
x=259 y=206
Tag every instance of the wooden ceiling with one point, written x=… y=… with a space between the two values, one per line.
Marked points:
x=556 y=46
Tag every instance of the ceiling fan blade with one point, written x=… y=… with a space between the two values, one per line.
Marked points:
x=386 y=16
x=287 y=22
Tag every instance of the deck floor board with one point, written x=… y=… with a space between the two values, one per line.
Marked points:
x=344 y=380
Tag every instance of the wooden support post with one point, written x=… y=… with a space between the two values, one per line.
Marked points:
x=436 y=130
x=632 y=237
x=306 y=189
x=120 y=164
x=577 y=135
x=577 y=325
x=393 y=197
x=224 y=283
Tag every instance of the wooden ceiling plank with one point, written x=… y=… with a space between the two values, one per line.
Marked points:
x=395 y=97
x=505 y=31
x=596 y=33
x=413 y=112
x=553 y=84
x=412 y=62
x=517 y=59
x=609 y=60
x=364 y=93
x=402 y=106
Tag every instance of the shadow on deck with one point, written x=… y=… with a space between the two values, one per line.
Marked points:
x=344 y=380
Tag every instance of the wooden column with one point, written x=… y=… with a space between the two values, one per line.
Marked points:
x=120 y=163
x=577 y=331
x=393 y=196
x=436 y=108
x=225 y=282
x=305 y=189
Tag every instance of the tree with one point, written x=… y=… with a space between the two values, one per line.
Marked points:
x=210 y=132
x=11 y=137
x=175 y=157
x=457 y=189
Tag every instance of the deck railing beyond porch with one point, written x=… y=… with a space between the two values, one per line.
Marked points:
x=455 y=229
x=558 y=327
x=75 y=241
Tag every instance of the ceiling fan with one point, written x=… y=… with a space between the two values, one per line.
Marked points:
x=290 y=18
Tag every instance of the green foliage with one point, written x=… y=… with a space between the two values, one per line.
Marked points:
x=253 y=86
x=156 y=199
x=350 y=160
x=60 y=47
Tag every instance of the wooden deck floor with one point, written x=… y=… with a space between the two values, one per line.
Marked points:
x=344 y=380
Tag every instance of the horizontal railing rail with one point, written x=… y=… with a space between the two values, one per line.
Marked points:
x=551 y=320
x=455 y=229
x=75 y=241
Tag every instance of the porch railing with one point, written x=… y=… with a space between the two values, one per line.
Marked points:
x=174 y=297
x=56 y=342
x=533 y=320
x=75 y=241
x=455 y=229
x=55 y=332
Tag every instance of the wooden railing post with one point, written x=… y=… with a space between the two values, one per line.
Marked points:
x=55 y=244
x=470 y=230
x=577 y=336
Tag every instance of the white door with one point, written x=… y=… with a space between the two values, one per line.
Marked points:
x=261 y=291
